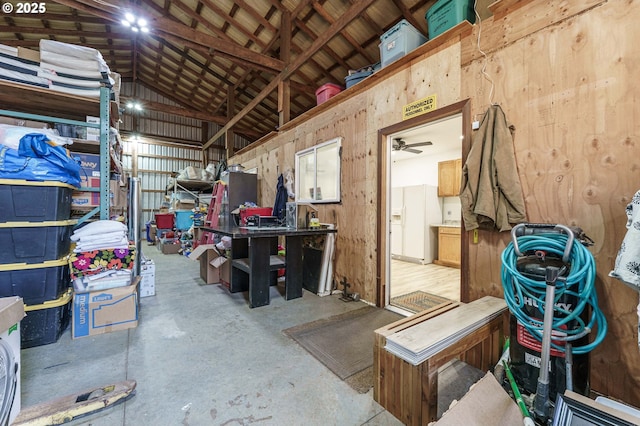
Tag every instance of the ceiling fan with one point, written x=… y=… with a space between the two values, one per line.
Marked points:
x=400 y=145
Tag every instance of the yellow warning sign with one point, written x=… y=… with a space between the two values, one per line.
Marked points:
x=419 y=107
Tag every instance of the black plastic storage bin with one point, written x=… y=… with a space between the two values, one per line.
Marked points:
x=35 y=283
x=23 y=200
x=45 y=323
x=35 y=242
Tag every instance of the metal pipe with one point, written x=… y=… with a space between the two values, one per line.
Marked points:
x=541 y=406
x=135 y=217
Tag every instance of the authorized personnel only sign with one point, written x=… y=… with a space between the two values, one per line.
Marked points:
x=419 y=107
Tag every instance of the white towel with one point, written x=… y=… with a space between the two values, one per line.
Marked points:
x=98 y=227
x=122 y=244
x=109 y=236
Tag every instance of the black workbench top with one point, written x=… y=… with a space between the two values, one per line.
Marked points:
x=264 y=232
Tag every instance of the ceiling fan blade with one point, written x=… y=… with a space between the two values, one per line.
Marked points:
x=415 y=151
x=420 y=144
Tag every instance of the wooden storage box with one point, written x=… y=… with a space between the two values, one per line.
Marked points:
x=410 y=392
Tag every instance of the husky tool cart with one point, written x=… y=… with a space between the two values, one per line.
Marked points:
x=548 y=278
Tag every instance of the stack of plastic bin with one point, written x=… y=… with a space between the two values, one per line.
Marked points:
x=35 y=227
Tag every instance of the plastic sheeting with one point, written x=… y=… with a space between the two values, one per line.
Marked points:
x=37 y=160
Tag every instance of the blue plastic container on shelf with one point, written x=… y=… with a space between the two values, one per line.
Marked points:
x=184 y=219
x=399 y=40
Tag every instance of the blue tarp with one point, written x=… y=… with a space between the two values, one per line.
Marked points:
x=37 y=160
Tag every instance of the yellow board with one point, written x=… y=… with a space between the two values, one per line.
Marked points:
x=419 y=107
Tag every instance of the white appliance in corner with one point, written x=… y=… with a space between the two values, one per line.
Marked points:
x=413 y=209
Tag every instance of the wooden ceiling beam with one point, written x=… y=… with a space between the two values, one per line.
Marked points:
x=172 y=29
x=329 y=51
x=327 y=17
x=211 y=5
x=59 y=32
x=249 y=73
x=353 y=12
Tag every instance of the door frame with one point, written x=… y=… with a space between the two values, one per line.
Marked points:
x=462 y=107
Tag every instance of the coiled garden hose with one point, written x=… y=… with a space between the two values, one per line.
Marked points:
x=580 y=282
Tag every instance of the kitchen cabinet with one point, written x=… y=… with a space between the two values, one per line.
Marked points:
x=448 y=246
x=449 y=177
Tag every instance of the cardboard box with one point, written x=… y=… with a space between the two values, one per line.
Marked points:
x=11 y=313
x=212 y=264
x=486 y=403
x=28 y=54
x=105 y=311
x=24 y=123
x=148 y=279
x=86 y=198
x=169 y=248
x=118 y=194
x=93 y=134
x=90 y=166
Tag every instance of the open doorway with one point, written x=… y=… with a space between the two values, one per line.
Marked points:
x=422 y=256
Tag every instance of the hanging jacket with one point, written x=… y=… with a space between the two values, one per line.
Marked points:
x=281 y=199
x=491 y=195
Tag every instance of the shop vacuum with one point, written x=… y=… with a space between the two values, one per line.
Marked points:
x=550 y=262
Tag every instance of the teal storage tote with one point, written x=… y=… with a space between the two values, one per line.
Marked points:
x=445 y=14
x=183 y=219
x=399 y=40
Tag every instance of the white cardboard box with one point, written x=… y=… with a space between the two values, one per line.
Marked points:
x=92 y=133
x=148 y=279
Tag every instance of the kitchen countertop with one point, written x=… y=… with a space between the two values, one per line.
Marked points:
x=446 y=225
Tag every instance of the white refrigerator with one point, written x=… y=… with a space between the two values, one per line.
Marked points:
x=413 y=209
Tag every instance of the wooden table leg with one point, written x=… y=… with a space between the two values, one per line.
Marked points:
x=293 y=272
x=259 y=277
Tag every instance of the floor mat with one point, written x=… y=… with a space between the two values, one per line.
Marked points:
x=344 y=343
x=418 y=301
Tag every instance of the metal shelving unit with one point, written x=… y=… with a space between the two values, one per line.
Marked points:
x=27 y=102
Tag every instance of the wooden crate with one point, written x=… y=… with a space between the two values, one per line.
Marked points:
x=410 y=392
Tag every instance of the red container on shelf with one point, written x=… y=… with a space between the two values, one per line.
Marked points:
x=327 y=91
x=251 y=211
x=164 y=220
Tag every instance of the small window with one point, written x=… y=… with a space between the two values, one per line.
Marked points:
x=318 y=173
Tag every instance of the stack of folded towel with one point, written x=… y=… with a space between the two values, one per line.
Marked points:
x=99 y=235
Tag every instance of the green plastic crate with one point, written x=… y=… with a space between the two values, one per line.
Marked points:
x=445 y=14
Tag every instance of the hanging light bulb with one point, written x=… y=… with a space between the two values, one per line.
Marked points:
x=136 y=24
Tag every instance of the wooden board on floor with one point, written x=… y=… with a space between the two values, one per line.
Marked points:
x=66 y=408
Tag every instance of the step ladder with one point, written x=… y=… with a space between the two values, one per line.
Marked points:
x=211 y=220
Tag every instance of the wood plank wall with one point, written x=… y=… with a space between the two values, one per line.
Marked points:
x=565 y=74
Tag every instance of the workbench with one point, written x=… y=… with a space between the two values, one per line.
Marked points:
x=254 y=259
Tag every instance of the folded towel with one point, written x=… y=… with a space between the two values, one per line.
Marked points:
x=98 y=227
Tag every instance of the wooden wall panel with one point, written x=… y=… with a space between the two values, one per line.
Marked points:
x=565 y=74
x=577 y=135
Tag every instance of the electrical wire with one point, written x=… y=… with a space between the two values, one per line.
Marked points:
x=579 y=283
x=484 y=55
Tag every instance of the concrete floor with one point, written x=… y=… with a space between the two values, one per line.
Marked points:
x=201 y=356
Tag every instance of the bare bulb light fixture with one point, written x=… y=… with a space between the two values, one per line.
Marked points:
x=134 y=106
x=136 y=24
